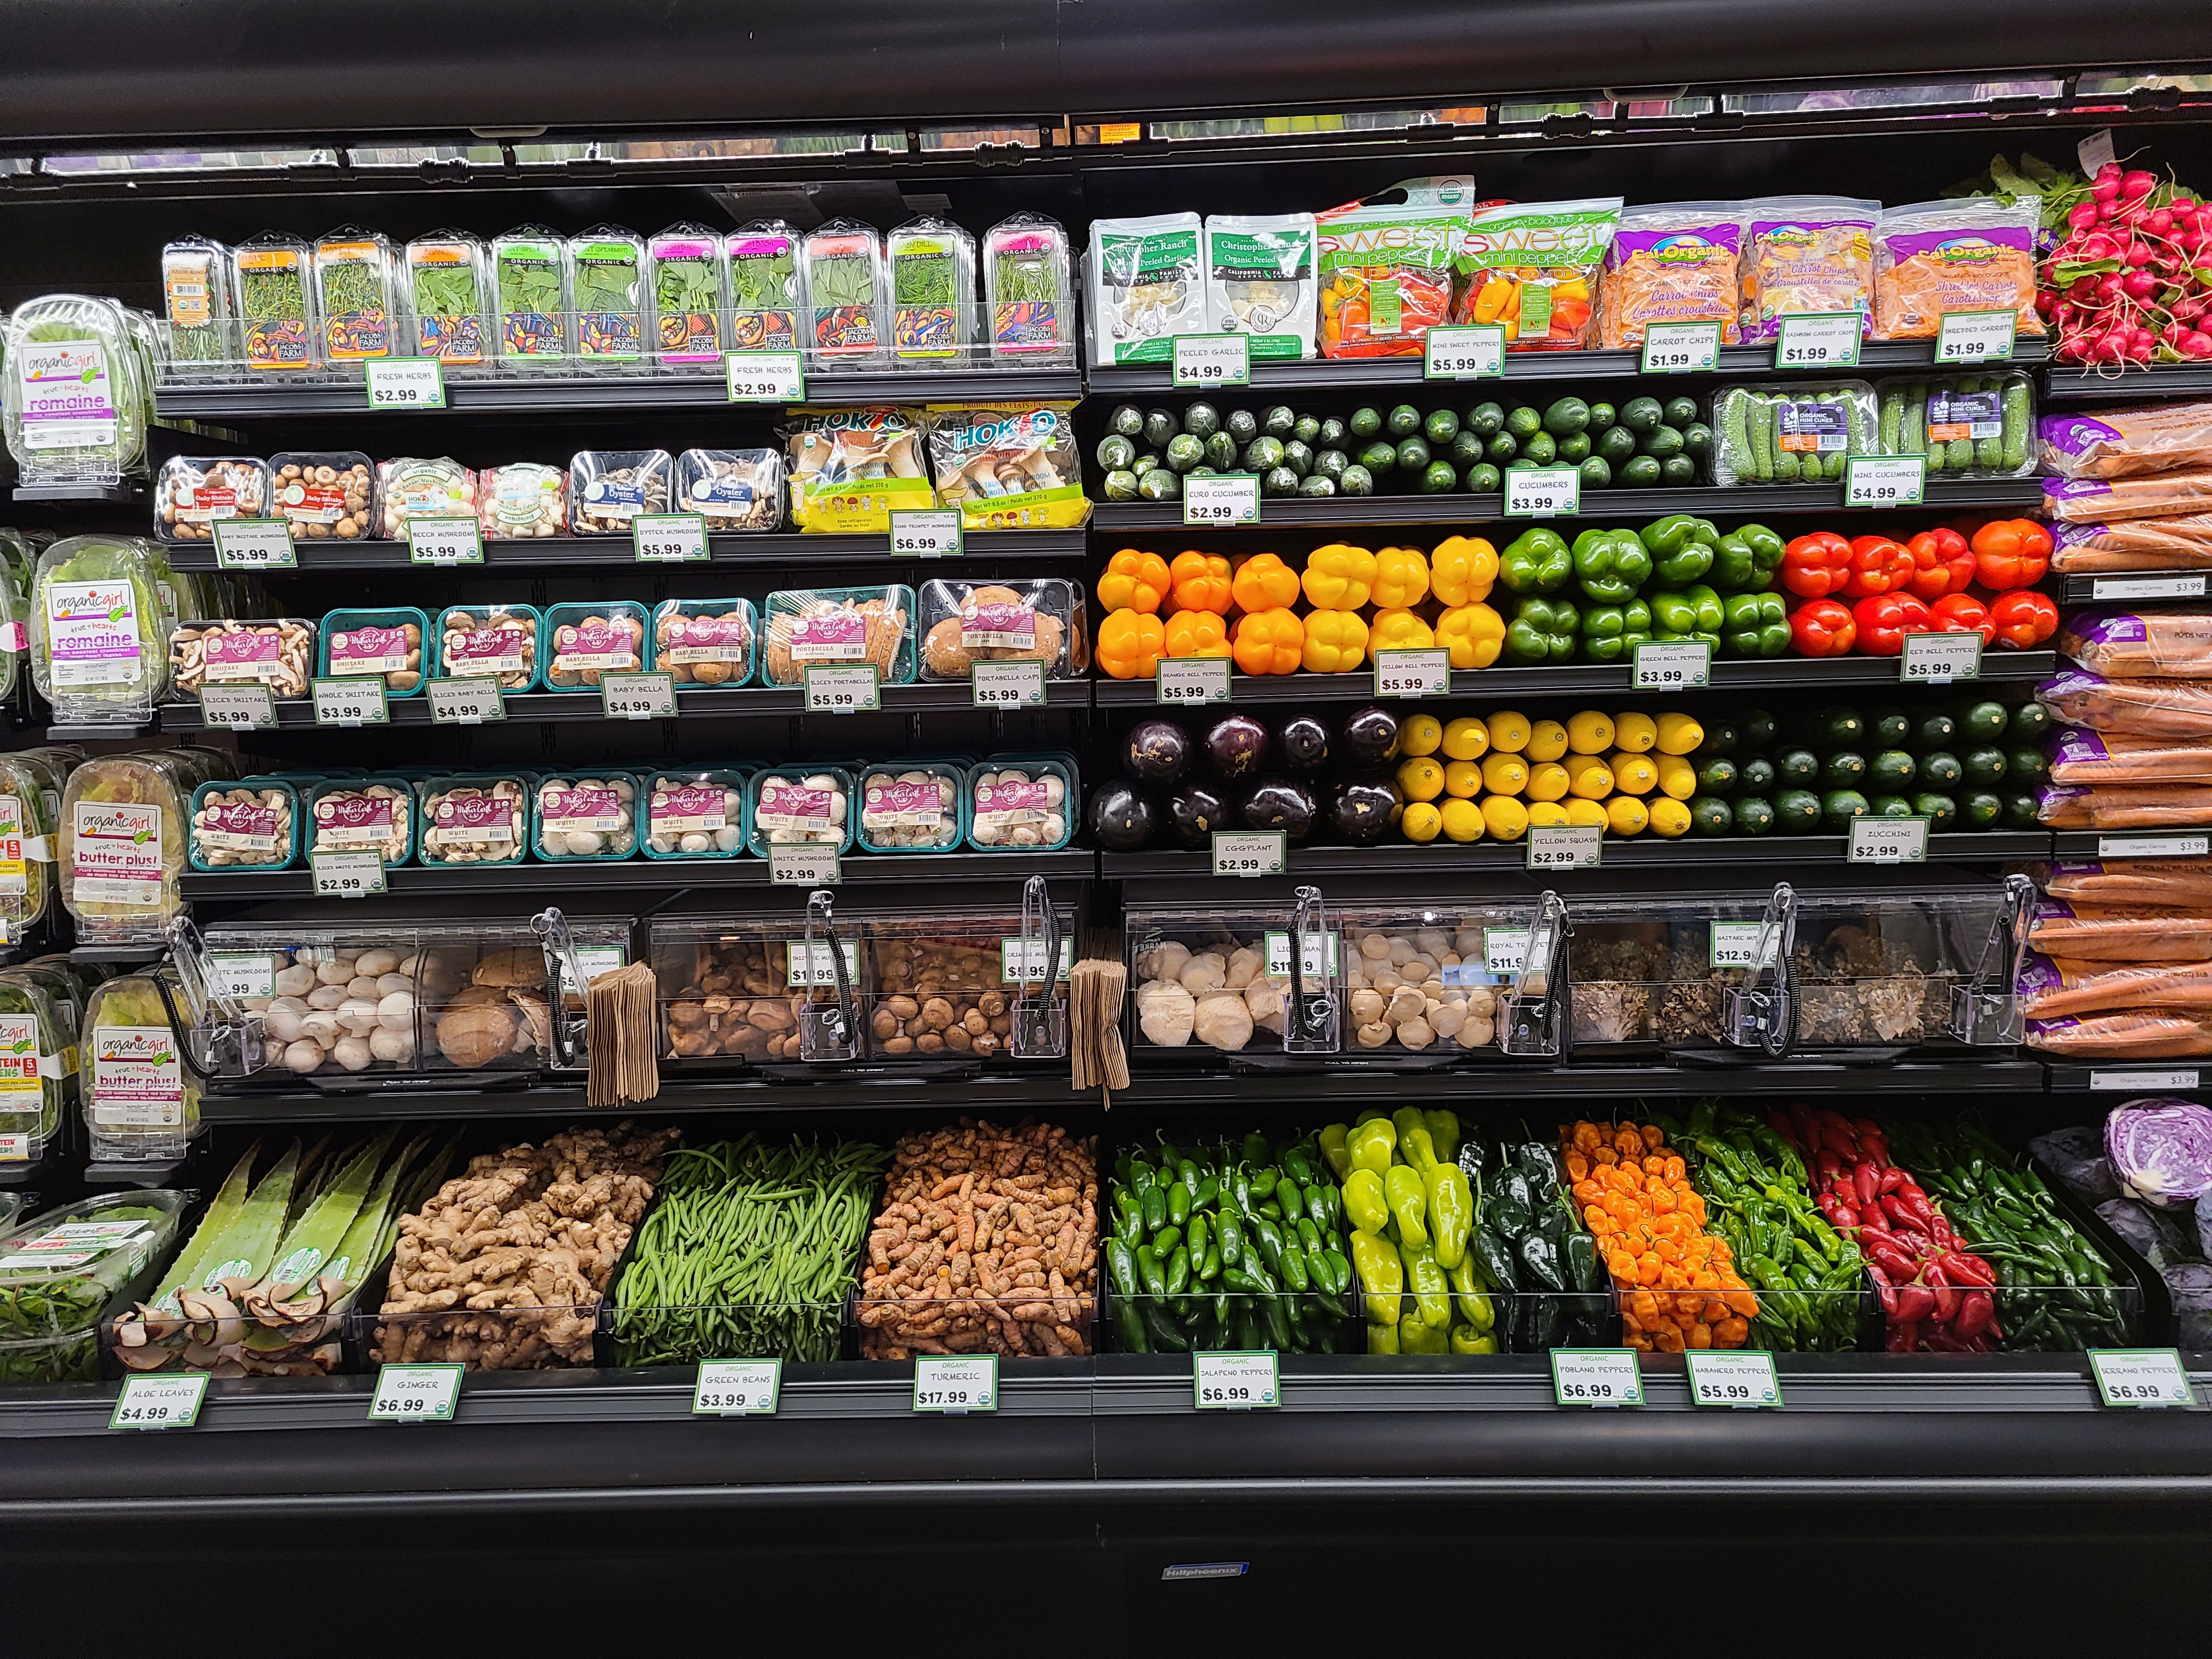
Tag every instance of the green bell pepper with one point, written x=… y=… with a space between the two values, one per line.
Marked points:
x=1450 y=1212
x=1414 y=1144
x=1681 y=548
x=1335 y=1146
x=1611 y=566
x=1381 y=1277
x=1541 y=631
x=1407 y=1204
x=1431 y=1289
x=1464 y=1340
x=1374 y=1143
x=1746 y=559
x=1417 y=1336
x=1537 y=560
x=1754 y=625
x=1687 y=610
x=1610 y=632
x=1364 y=1202
x=1443 y=1133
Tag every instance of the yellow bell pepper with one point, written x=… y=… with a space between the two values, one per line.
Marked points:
x=1133 y=581
x=1472 y=633
x=1338 y=577
x=1399 y=630
x=1264 y=582
x=1200 y=581
x=1129 y=644
x=1271 y=641
x=1336 y=641
x=1462 y=570
x=1402 y=578
x=1197 y=634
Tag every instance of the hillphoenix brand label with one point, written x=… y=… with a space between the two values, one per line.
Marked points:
x=115 y=855
x=68 y=400
x=91 y=630
x=136 y=1080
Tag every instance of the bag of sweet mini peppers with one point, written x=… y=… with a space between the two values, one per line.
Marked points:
x=1386 y=270
x=1532 y=266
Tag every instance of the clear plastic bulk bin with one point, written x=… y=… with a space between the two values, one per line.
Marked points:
x=732 y=993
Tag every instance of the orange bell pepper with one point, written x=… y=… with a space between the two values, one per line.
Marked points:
x=1134 y=581
x=1402 y=578
x=1197 y=634
x=1270 y=642
x=1200 y=581
x=1338 y=577
x=1264 y=582
x=1472 y=634
x=1462 y=570
x=1400 y=630
x=1335 y=641
x=1129 y=643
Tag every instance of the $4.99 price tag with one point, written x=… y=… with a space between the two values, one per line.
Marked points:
x=416 y=1394
x=738 y=1388
x=2141 y=1376
x=1743 y=1379
x=1885 y=480
x=465 y=701
x=955 y=1382
x=1234 y=1381
x=1596 y=1377
x=647 y=696
x=1209 y=360
x=159 y=1402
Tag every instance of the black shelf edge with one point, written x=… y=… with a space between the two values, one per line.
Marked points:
x=99 y=733
x=1580 y=680
x=778 y=701
x=409 y=881
x=99 y=494
x=1641 y=852
x=1352 y=375
x=1157 y=1079
x=145 y=1175
x=2132 y=587
x=2074 y=384
x=2121 y=1080
x=2165 y=843
x=1750 y=502
x=614 y=392
x=778 y=548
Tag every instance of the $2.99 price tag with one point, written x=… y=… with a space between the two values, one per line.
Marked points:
x=1596 y=1377
x=405 y=383
x=1250 y=852
x=764 y=377
x=1742 y=1378
x=1234 y=1381
x=1565 y=846
x=955 y=1382
x=738 y=1388
x=416 y=1394
x=159 y=1402
x=346 y=875
x=1229 y=499
x=1888 y=840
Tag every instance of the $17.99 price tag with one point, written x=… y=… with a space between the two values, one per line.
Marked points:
x=416 y=1394
x=955 y=1382
x=1234 y=1381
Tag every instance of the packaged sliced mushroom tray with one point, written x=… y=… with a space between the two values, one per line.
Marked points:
x=251 y=824
x=1021 y=801
x=585 y=642
x=494 y=642
x=192 y=491
x=323 y=495
x=913 y=806
x=364 y=815
x=586 y=816
x=477 y=817
x=795 y=806
x=964 y=623
x=706 y=642
x=522 y=501
x=608 y=488
x=277 y=652
x=733 y=489
x=839 y=625
x=409 y=488
x=697 y=814
x=383 y=642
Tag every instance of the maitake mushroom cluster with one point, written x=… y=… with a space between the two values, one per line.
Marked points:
x=504 y=1268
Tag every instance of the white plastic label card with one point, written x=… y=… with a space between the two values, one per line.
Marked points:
x=405 y=383
x=238 y=707
x=1941 y=658
x=351 y=702
x=764 y=377
x=243 y=975
x=159 y=1402
x=1671 y=665
x=1885 y=480
x=464 y=703
x=346 y=875
x=1186 y=680
x=647 y=696
x=1234 y=1381
x=2147 y=587
x=1250 y=852
x=1008 y=684
x=802 y=867
x=1819 y=339
x=842 y=688
x=444 y=540
x=1464 y=354
x=1976 y=337
x=1212 y=360
x=1888 y=840
x=416 y=1394
x=816 y=967
x=738 y=1388
x=1735 y=944
x=2143 y=1083
x=669 y=537
x=955 y=1382
x=2140 y=1377
x=2154 y=847
x=1417 y=673
x=1542 y=492
x=254 y=544
x=1504 y=950
x=1596 y=1377
x=1565 y=846
x=1021 y=961
x=1319 y=954
x=932 y=533
x=1225 y=500
x=1743 y=1379
x=1681 y=348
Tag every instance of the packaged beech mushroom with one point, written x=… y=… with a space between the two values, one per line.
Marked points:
x=964 y=623
x=733 y=490
x=1027 y=290
x=356 y=273
x=794 y=807
x=522 y=501
x=496 y=642
x=913 y=806
x=192 y=491
x=476 y=818
x=123 y=823
x=586 y=816
x=839 y=625
x=586 y=643
x=688 y=293
x=696 y=814
x=375 y=814
x=1259 y=282
x=323 y=495
x=530 y=296
x=705 y=642
x=448 y=290
x=763 y=265
x=197 y=299
x=141 y=1102
x=276 y=309
x=409 y=488
x=277 y=652
x=1021 y=802
x=251 y=824
x=99 y=635
x=932 y=280
x=388 y=643
x=608 y=488
x=849 y=468
x=847 y=289
x=1008 y=466
x=606 y=287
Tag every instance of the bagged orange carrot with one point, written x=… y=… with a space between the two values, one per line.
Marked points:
x=1805 y=255
x=1974 y=254
x=2179 y=544
x=2120 y=443
x=1671 y=263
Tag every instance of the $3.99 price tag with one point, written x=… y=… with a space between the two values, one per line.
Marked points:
x=416 y=1394
x=355 y=700
x=2141 y=1376
x=1671 y=665
x=1542 y=492
x=738 y=1388
x=1234 y=1381
x=1743 y=1379
x=955 y=1382
x=1596 y=1377
x=159 y=1402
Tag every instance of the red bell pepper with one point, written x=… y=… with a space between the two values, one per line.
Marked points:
x=1942 y=562
x=1822 y=628
x=1962 y=613
x=1878 y=565
x=1884 y=620
x=2023 y=619
x=1816 y=565
x=2011 y=553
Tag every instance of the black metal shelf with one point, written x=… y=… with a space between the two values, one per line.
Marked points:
x=96 y=495
x=1359 y=374
x=1751 y=501
x=1868 y=674
x=1163 y=1078
x=612 y=393
x=2117 y=1080
x=411 y=881
x=2076 y=385
x=778 y=550
x=2136 y=587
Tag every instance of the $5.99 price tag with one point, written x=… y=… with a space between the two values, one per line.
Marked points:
x=955 y=1382
x=416 y=1394
x=1234 y=1381
x=738 y=1388
x=1464 y=354
x=669 y=537
x=254 y=544
x=1743 y=1379
x=1596 y=1377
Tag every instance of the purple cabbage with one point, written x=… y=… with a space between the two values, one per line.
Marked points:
x=2160 y=1148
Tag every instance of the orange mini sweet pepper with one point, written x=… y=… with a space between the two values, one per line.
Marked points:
x=1339 y=577
x=1335 y=642
x=1462 y=570
x=1129 y=644
x=1133 y=581
x=1269 y=642
x=1197 y=634
x=1200 y=581
x=1472 y=633
x=1264 y=582
x=1402 y=578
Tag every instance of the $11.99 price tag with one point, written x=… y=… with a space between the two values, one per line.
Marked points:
x=1234 y=1381
x=738 y=1388
x=1743 y=1379
x=416 y=1394
x=1596 y=1377
x=955 y=1382
x=159 y=1402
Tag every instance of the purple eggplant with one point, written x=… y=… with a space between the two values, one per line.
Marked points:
x=1371 y=736
x=1236 y=747
x=1120 y=818
x=1278 y=804
x=1157 y=752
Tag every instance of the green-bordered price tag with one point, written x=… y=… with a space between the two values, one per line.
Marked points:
x=1417 y=673
x=804 y=864
x=355 y=700
x=647 y=696
x=1221 y=502
x=1742 y=1378
x=159 y=1402
x=1237 y=1381
x=1735 y=944
x=1565 y=846
x=669 y=537
x=471 y=702
x=1318 y=951
x=1016 y=956
x=1470 y=353
x=2141 y=1376
x=1671 y=665
x=405 y=383
x=254 y=544
x=1596 y=1377
x=1542 y=492
x=1681 y=348
x=1888 y=840
x=242 y=973
x=926 y=533
x=352 y=874
x=444 y=540
x=1250 y=851
x=955 y=1382
x=237 y=707
x=1885 y=480
x=1008 y=684
x=1184 y=682
x=416 y=1394
x=764 y=377
x=1976 y=337
x=1204 y=361
x=1819 y=339
x=1940 y=658
x=843 y=687
x=738 y=1388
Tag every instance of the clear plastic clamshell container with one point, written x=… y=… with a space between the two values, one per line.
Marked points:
x=586 y=643
x=764 y=302
x=254 y=824
x=608 y=488
x=27 y=846
x=14 y=626
x=1971 y=425
x=197 y=303
x=691 y=293
x=356 y=278
x=706 y=642
x=932 y=282
x=123 y=820
x=142 y=1101
x=522 y=501
x=965 y=622
x=192 y=491
x=37 y=1049
x=1028 y=292
x=695 y=813
x=530 y=296
x=846 y=285
x=278 y=319
x=59 y=1270
x=448 y=293
x=74 y=397
x=839 y=625
x=323 y=494
x=734 y=490
x=388 y=642
x=414 y=487
x=800 y=806
x=474 y=818
x=608 y=294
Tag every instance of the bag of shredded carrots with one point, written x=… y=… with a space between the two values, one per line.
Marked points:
x=1533 y=267
x=1386 y=269
x=1806 y=255
x=1674 y=262
x=1973 y=254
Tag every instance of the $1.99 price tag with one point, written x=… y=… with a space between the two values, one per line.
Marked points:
x=738 y=1388
x=1596 y=1377
x=955 y=1382
x=1681 y=348
x=416 y=1394
x=1819 y=339
x=1743 y=1379
x=1234 y=1381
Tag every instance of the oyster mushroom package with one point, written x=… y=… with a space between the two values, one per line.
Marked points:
x=1008 y=466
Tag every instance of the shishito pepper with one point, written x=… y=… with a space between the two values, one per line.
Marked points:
x=1339 y=577
x=1542 y=631
x=1133 y=581
x=1196 y=634
x=1746 y=559
x=1472 y=634
x=1610 y=632
x=1129 y=645
x=1611 y=566
x=1268 y=642
x=1462 y=570
x=1402 y=1185
x=1537 y=560
x=1754 y=625
x=1681 y=548
x=1381 y=1277
x=1374 y=1142
x=1400 y=630
x=1335 y=641
x=1413 y=1143
x=1402 y=578
x=1200 y=581
x=1450 y=1212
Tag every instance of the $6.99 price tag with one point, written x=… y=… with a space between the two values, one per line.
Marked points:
x=1596 y=1377
x=416 y=1394
x=1234 y=1381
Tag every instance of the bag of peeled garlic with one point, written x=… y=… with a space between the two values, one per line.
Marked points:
x=1008 y=466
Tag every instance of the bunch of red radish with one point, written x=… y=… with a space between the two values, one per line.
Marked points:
x=2131 y=284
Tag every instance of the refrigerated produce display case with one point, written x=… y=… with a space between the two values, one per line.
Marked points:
x=1189 y=803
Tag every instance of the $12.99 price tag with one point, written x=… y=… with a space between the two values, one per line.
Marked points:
x=1236 y=1381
